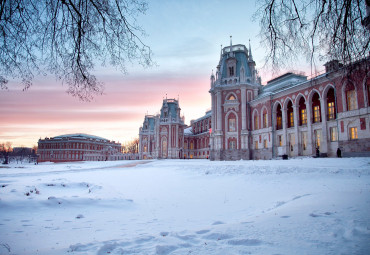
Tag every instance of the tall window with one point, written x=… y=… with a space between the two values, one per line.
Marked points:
x=231 y=71
x=316 y=114
x=331 y=111
x=279 y=119
x=291 y=119
x=265 y=143
x=353 y=133
x=316 y=108
x=280 y=140
x=318 y=138
x=232 y=123
x=264 y=120
x=330 y=98
x=333 y=134
x=351 y=100
x=303 y=117
x=302 y=112
x=304 y=141
x=351 y=97
x=256 y=121
x=145 y=148
x=290 y=114
x=232 y=144
x=256 y=145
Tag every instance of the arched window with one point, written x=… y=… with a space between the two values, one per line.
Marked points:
x=302 y=112
x=316 y=108
x=279 y=118
x=330 y=102
x=351 y=97
x=232 y=123
x=290 y=114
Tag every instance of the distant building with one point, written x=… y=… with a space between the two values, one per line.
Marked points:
x=162 y=135
x=196 y=137
x=290 y=115
x=78 y=147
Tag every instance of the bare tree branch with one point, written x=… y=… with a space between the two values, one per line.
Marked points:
x=316 y=29
x=68 y=38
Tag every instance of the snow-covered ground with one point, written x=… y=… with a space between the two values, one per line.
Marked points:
x=296 y=206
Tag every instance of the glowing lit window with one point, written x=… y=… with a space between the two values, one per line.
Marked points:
x=353 y=133
x=265 y=143
x=256 y=145
x=291 y=119
x=232 y=97
x=280 y=140
x=331 y=111
x=316 y=114
x=303 y=117
x=317 y=138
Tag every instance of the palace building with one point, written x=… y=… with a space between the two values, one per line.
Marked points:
x=290 y=115
x=78 y=147
x=162 y=135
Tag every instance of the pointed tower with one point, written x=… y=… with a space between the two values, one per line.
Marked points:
x=234 y=86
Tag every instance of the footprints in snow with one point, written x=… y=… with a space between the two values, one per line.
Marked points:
x=166 y=243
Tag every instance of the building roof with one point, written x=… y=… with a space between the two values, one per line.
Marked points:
x=188 y=131
x=172 y=106
x=80 y=136
x=241 y=60
x=150 y=119
x=282 y=82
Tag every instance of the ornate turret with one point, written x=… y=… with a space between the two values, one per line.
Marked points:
x=236 y=66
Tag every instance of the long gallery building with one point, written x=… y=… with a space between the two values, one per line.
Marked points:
x=290 y=115
x=78 y=147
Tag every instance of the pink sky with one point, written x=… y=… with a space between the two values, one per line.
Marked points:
x=185 y=37
x=116 y=115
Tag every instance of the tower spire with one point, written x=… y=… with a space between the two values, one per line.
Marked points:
x=231 y=41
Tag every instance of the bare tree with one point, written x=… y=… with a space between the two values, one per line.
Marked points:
x=5 y=150
x=131 y=146
x=68 y=38
x=319 y=29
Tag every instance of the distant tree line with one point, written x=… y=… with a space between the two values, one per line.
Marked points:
x=131 y=146
x=7 y=152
